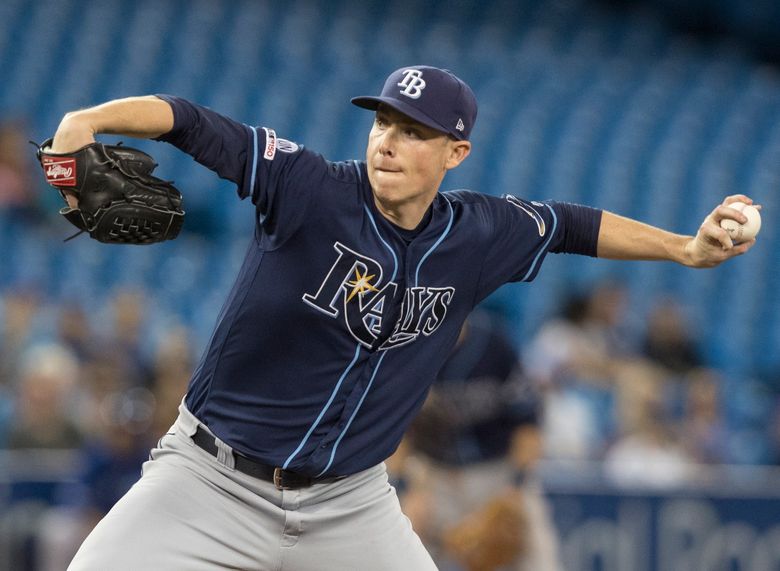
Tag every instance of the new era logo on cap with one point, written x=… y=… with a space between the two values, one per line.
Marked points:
x=432 y=96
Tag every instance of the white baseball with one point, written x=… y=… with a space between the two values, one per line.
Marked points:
x=748 y=230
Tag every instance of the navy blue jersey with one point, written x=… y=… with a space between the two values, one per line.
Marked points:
x=335 y=326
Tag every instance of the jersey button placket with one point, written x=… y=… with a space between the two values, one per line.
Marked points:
x=349 y=408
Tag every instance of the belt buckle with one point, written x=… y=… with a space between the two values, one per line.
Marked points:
x=278 y=479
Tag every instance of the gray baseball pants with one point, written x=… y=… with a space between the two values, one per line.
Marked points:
x=190 y=512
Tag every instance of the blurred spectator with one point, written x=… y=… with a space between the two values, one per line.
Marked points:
x=651 y=455
x=668 y=339
x=606 y=318
x=652 y=416
x=19 y=310
x=172 y=369
x=125 y=342
x=585 y=341
x=16 y=191
x=576 y=359
x=599 y=391
x=475 y=439
x=703 y=428
x=75 y=334
x=670 y=345
x=101 y=378
x=173 y=358
x=49 y=375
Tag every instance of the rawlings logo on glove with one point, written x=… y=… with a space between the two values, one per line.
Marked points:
x=119 y=200
x=60 y=171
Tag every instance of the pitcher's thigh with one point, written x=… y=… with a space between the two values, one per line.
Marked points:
x=173 y=519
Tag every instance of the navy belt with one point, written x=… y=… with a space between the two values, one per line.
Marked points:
x=282 y=479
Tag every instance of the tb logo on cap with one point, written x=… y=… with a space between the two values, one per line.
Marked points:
x=412 y=83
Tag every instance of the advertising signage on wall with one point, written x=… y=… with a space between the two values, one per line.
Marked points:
x=709 y=528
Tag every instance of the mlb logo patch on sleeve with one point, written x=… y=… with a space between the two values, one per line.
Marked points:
x=274 y=143
x=60 y=171
x=270 y=144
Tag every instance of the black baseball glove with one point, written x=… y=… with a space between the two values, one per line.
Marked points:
x=119 y=200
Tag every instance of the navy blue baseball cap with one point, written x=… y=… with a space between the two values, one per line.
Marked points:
x=432 y=96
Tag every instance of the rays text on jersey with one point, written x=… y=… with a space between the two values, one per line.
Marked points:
x=352 y=290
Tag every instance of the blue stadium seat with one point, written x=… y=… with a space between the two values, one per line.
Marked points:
x=577 y=103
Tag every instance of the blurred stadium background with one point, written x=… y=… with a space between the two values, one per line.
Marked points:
x=652 y=109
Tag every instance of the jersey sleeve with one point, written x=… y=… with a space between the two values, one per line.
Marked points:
x=276 y=174
x=217 y=142
x=523 y=233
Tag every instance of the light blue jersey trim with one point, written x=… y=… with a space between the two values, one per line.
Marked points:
x=436 y=244
x=254 y=162
x=351 y=418
x=324 y=409
x=395 y=258
x=547 y=243
x=373 y=224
